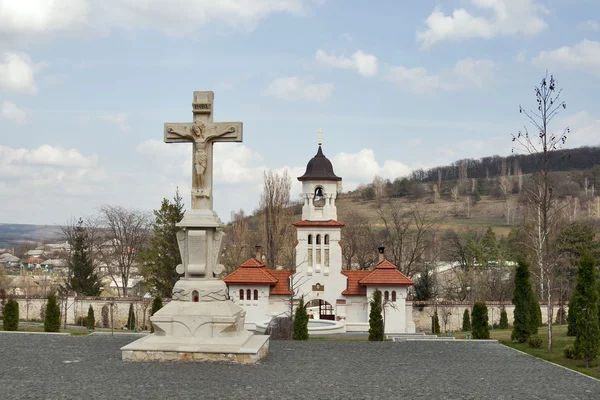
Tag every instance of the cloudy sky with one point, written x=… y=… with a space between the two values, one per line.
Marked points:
x=86 y=85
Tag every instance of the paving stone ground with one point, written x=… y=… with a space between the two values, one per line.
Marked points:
x=90 y=367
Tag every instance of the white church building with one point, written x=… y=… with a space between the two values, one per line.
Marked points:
x=330 y=293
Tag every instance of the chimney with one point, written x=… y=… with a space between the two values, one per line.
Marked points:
x=381 y=251
x=257 y=255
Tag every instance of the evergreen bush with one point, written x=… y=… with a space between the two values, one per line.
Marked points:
x=572 y=314
x=435 y=323
x=2 y=301
x=90 y=322
x=11 y=315
x=587 y=339
x=503 y=324
x=569 y=351
x=522 y=299
x=52 y=318
x=480 y=321
x=536 y=314
x=131 y=318
x=534 y=341
x=156 y=305
x=105 y=312
x=300 y=322
x=376 y=327
x=466 y=322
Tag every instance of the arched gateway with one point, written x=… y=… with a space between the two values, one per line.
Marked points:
x=340 y=295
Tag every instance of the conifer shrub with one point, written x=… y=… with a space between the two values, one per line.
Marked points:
x=587 y=339
x=156 y=305
x=300 y=322
x=503 y=324
x=2 y=301
x=52 y=318
x=534 y=341
x=569 y=351
x=105 y=320
x=90 y=321
x=480 y=322
x=11 y=315
x=525 y=323
x=572 y=314
x=536 y=314
x=376 y=327
x=466 y=322
x=131 y=318
x=435 y=324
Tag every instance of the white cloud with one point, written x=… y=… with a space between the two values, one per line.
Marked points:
x=521 y=56
x=584 y=56
x=361 y=167
x=117 y=119
x=299 y=88
x=11 y=112
x=589 y=25
x=17 y=73
x=510 y=17
x=31 y=20
x=584 y=129
x=365 y=64
x=467 y=73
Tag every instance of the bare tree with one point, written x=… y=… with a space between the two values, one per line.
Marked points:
x=125 y=232
x=541 y=197
x=236 y=244
x=379 y=187
x=359 y=243
x=274 y=203
x=409 y=232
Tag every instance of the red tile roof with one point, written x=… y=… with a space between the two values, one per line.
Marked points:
x=253 y=272
x=34 y=260
x=386 y=273
x=282 y=286
x=353 y=288
x=306 y=223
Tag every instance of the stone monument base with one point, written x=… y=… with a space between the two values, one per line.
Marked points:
x=199 y=331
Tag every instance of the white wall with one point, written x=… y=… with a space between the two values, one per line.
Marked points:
x=256 y=310
x=395 y=312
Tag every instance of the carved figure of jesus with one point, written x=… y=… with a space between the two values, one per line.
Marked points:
x=201 y=141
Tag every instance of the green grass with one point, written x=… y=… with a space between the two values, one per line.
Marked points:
x=559 y=341
x=41 y=329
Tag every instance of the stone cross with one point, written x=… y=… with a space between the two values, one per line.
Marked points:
x=203 y=132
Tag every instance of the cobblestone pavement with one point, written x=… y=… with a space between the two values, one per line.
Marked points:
x=90 y=367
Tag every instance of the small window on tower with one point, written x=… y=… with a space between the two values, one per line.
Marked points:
x=318 y=239
x=309 y=239
x=255 y=294
x=326 y=239
x=386 y=296
x=393 y=295
x=241 y=294
x=248 y=294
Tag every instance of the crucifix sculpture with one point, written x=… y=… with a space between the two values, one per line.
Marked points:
x=203 y=132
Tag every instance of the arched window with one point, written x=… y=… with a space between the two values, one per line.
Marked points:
x=248 y=294
x=393 y=295
x=309 y=239
x=195 y=296
x=241 y=294
x=318 y=239
x=326 y=239
x=319 y=198
x=255 y=294
x=386 y=295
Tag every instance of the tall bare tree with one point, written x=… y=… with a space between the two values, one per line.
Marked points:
x=274 y=203
x=236 y=246
x=409 y=232
x=358 y=240
x=541 y=197
x=126 y=232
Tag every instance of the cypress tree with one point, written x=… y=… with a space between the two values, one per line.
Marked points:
x=300 y=322
x=52 y=319
x=536 y=314
x=522 y=296
x=131 y=318
x=90 y=321
x=466 y=322
x=587 y=340
x=480 y=321
x=435 y=323
x=11 y=315
x=156 y=305
x=503 y=319
x=376 y=327
x=82 y=278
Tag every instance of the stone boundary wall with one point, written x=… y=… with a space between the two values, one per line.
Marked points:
x=450 y=314
x=30 y=309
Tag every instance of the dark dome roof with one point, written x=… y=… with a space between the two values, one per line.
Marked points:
x=319 y=168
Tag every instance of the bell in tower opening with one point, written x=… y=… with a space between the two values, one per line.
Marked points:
x=319 y=199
